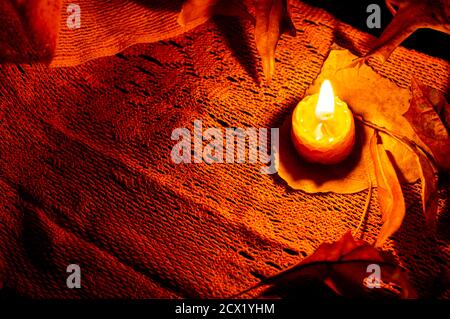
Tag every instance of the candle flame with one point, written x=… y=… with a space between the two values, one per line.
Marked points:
x=325 y=103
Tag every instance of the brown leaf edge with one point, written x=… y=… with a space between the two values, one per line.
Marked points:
x=341 y=266
x=366 y=206
x=390 y=195
x=427 y=115
x=429 y=189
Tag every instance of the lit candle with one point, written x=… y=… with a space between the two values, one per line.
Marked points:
x=323 y=129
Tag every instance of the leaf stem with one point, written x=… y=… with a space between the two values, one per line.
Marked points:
x=413 y=146
x=366 y=207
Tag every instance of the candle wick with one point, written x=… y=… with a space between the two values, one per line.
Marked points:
x=325 y=116
x=318 y=132
x=325 y=129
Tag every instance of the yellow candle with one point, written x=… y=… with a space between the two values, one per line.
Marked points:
x=323 y=129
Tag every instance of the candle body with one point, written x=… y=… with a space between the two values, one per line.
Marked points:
x=322 y=141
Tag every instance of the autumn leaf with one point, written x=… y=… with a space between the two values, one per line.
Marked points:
x=429 y=115
x=199 y=11
x=343 y=267
x=428 y=125
x=272 y=20
x=429 y=192
x=410 y=16
x=390 y=196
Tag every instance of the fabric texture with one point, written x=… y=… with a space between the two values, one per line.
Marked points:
x=108 y=27
x=86 y=175
x=29 y=30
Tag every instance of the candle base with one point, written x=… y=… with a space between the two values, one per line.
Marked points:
x=327 y=156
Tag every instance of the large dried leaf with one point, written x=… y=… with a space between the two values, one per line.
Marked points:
x=370 y=97
x=429 y=115
x=272 y=20
x=28 y=30
x=342 y=266
x=426 y=122
x=390 y=196
x=410 y=16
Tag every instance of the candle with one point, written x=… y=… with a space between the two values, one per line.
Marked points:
x=323 y=129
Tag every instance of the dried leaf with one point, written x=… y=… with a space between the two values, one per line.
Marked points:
x=390 y=196
x=410 y=16
x=429 y=192
x=439 y=103
x=366 y=206
x=428 y=176
x=426 y=122
x=429 y=115
x=272 y=20
x=199 y=11
x=341 y=266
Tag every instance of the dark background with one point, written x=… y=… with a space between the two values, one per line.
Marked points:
x=353 y=12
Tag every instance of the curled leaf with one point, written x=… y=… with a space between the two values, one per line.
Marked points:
x=390 y=196
x=410 y=16
x=429 y=115
x=272 y=20
x=429 y=192
x=366 y=206
x=428 y=125
x=343 y=267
